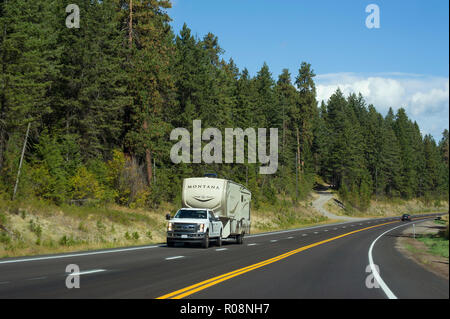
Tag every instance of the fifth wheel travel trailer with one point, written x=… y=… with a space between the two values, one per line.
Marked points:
x=213 y=209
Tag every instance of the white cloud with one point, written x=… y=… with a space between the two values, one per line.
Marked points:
x=425 y=98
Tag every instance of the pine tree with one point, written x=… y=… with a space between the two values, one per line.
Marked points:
x=306 y=111
x=321 y=140
x=390 y=159
x=89 y=95
x=430 y=172
x=28 y=62
x=287 y=97
x=443 y=166
x=403 y=131
x=150 y=83
x=267 y=112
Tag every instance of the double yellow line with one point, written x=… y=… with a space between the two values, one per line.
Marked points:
x=181 y=293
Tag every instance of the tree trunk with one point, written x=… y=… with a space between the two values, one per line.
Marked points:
x=2 y=146
x=3 y=107
x=298 y=151
x=130 y=27
x=148 y=158
x=21 y=160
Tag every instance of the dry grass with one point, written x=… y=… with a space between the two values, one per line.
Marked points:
x=303 y=215
x=35 y=227
x=35 y=230
x=388 y=208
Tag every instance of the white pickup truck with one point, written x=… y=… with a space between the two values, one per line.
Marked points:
x=213 y=209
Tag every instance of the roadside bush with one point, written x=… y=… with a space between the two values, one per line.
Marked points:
x=67 y=241
x=357 y=196
x=35 y=228
x=2 y=218
x=142 y=199
x=100 y=226
x=82 y=227
x=101 y=172
x=43 y=183
x=4 y=238
x=49 y=170
x=83 y=185
x=11 y=157
x=115 y=180
x=269 y=194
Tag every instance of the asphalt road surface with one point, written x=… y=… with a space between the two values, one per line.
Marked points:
x=330 y=261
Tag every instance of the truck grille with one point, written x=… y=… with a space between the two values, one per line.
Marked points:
x=185 y=228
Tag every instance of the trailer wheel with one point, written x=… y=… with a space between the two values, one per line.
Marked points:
x=205 y=243
x=219 y=240
x=240 y=239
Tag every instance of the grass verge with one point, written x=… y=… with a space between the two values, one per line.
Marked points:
x=35 y=227
x=437 y=245
x=428 y=247
x=384 y=207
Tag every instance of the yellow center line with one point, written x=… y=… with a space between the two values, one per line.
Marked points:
x=181 y=293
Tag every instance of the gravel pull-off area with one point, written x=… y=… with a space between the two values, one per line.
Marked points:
x=319 y=203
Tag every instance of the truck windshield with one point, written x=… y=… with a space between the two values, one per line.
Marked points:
x=200 y=214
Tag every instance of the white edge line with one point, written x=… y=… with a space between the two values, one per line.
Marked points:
x=375 y=273
x=86 y=272
x=140 y=248
x=77 y=255
x=175 y=257
x=155 y=246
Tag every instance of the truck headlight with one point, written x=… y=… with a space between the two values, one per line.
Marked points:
x=169 y=226
x=201 y=228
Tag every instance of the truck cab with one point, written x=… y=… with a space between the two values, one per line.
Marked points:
x=198 y=225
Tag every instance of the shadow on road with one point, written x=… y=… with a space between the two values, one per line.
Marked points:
x=320 y=188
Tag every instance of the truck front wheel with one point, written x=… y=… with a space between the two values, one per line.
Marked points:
x=205 y=243
x=170 y=243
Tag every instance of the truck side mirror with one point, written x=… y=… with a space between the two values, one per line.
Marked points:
x=167 y=216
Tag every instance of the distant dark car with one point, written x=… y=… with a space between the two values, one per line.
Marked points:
x=406 y=217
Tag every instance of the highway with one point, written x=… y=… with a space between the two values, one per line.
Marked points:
x=328 y=261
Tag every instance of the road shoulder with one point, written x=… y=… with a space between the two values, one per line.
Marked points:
x=416 y=250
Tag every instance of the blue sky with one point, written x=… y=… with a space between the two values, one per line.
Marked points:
x=404 y=63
